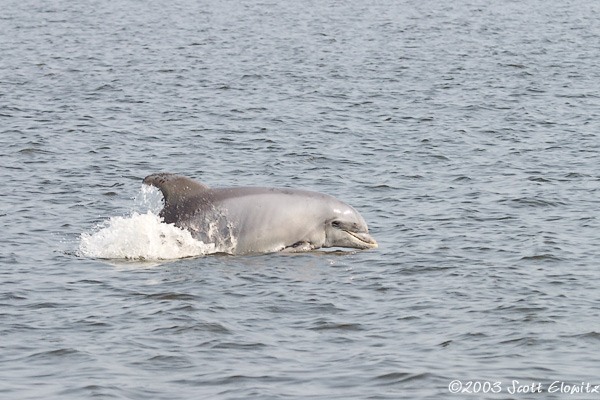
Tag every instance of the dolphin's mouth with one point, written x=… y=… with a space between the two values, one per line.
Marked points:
x=365 y=238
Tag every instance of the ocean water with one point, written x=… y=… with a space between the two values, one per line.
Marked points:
x=465 y=133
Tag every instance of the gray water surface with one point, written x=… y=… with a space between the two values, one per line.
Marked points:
x=466 y=134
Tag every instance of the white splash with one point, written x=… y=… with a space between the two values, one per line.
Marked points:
x=141 y=236
x=149 y=198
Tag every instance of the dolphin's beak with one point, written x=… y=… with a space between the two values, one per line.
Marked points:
x=366 y=240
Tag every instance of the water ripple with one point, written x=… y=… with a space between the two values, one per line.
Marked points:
x=468 y=143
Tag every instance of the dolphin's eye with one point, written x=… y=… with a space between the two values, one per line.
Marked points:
x=336 y=224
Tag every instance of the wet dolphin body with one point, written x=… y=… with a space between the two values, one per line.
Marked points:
x=248 y=220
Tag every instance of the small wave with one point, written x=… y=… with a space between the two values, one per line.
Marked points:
x=141 y=237
x=144 y=236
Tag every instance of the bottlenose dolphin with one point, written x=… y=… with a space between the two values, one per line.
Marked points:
x=247 y=220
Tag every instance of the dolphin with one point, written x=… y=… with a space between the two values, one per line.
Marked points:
x=251 y=220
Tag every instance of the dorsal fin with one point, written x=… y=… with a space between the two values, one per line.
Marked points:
x=175 y=189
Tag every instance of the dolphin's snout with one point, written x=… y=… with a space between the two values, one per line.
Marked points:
x=368 y=240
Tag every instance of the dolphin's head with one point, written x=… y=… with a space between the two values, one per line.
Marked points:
x=347 y=228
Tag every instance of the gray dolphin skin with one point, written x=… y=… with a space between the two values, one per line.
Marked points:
x=250 y=220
